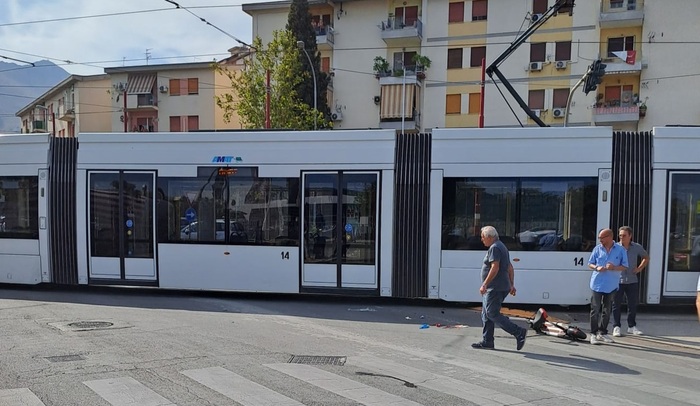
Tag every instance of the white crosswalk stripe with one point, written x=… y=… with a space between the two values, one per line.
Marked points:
x=342 y=386
x=19 y=397
x=126 y=392
x=441 y=383
x=237 y=388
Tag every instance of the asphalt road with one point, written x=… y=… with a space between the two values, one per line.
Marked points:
x=147 y=348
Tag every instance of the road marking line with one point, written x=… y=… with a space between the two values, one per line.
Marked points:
x=127 y=392
x=237 y=388
x=19 y=397
x=342 y=386
x=441 y=383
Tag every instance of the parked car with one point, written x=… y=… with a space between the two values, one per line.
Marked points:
x=236 y=229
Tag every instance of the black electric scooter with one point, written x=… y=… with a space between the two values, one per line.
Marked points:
x=541 y=325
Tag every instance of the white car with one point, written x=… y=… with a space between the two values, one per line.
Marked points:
x=533 y=236
x=238 y=234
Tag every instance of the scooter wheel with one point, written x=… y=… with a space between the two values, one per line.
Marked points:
x=575 y=333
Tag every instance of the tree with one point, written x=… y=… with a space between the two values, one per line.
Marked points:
x=299 y=23
x=248 y=96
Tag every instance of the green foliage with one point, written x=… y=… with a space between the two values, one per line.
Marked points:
x=247 y=99
x=421 y=60
x=381 y=65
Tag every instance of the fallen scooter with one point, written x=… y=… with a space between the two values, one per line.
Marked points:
x=541 y=325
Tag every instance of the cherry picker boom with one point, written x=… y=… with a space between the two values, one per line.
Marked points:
x=492 y=69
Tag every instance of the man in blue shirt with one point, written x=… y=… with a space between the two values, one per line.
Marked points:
x=497 y=276
x=607 y=261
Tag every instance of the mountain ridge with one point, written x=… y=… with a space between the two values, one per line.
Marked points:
x=20 y=85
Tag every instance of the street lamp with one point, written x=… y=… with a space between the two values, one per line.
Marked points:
x=300 y=45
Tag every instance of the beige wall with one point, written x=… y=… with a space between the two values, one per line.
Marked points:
x=92 y=106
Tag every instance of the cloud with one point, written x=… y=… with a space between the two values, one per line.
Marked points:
x=169 y=36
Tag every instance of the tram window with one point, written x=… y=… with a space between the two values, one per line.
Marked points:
x=19 y=207
x=684 y=223
x=237 y=210
x=531 y=214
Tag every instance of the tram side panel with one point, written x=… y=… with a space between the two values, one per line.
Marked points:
x=546 y=197
x=23 y=209
x=232 y=212
x=674 y=249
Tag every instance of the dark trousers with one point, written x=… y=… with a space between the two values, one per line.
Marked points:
x=491 y=316
x=631 y=290
x=601 y=305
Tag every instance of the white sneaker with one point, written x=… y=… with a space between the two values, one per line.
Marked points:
x=606 y=339
x=617 y=332
x=595 y=340
x=634 y=330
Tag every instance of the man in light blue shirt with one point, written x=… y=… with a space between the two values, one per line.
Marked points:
x=607 y=261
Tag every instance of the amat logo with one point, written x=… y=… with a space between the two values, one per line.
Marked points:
x=226 y=159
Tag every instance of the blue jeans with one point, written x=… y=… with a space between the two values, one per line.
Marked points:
x=491 y=316
x=601 y=304
x=631 y=290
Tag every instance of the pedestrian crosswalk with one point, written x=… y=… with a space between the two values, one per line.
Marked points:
x=471 y=383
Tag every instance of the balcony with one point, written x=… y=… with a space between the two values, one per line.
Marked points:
x=402 y=32
x=603 y=115
x=38 y=126
x=66 y=112
x=146 y=101
x=621 y=13
x=325 y=38
x=616 y=66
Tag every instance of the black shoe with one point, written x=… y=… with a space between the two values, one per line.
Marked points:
x=520 y=339
x=483 y=346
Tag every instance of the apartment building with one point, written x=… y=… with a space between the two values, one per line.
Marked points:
x=76 y=103
x=166 y=97
x=648 y=48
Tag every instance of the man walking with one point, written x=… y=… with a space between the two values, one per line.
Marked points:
x=607 y=261
x=638 y=259
x=497 y=278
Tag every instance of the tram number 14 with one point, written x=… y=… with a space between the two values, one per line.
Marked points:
x=578 y=261
x=285 y=254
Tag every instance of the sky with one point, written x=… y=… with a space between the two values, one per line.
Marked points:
x=85 y=36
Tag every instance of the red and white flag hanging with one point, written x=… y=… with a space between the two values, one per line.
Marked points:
x=629 y=57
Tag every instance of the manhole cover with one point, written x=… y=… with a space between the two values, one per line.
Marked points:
x=65 y=358
x=91 y=324
x=317 y=360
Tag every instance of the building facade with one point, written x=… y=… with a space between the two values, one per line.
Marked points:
x=647 y=49
x=77 y=103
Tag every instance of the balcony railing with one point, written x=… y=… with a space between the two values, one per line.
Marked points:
x=66 y=112
x=621 y=13
x=397 y=29
x=615 y=114
x=325 y=37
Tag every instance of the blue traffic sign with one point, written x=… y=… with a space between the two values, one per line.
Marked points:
x=190 y=214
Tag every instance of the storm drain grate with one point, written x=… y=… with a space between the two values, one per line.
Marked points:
x=317 y=360
x=91 y=324
x=65 y=358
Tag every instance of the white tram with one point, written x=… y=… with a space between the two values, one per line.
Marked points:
x=364 y=212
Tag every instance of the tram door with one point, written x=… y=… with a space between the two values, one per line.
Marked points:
x=122 y=226
x=340 y=232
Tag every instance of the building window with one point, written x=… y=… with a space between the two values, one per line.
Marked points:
x=562 y=51
x=538 y=52
x=454 y=104
x=477 y=54
x=319 y=23
x=404 y=60
x=454 y=58
x=179 y=87
x=567 y=8
x=474 y=103
x=325 y=64
x=479 y=10
x=620 y=44
x=406 y=16
x=535 y=99
x=192 y=123
x=539 y=6
x=456 y=13
x=616 y=3
x=559 y=98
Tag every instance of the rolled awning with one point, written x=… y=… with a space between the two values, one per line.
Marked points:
x=140 y=84
x=392 y=95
